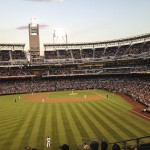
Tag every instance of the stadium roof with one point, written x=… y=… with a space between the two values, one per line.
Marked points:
x=129 y=40
x=11 y=45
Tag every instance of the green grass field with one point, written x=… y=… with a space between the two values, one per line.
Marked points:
x=29 y=123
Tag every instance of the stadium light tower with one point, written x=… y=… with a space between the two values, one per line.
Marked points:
x=34 y=40
x=60 y=35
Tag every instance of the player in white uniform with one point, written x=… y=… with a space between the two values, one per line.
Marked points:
x=43 y=100
x=48 y=140
x=84 y=96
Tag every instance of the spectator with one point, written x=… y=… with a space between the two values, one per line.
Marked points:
x=86 y=147
x=104 y=145
x=116 y=147
x=64 y=147
x=94 y=145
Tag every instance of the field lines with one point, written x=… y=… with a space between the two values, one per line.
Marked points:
x=95 y=93
x=119 y=102
x=112 y=97
x=127 y=117
x=129 y=109
x=134 y=125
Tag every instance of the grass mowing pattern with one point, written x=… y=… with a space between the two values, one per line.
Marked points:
x=29 y=123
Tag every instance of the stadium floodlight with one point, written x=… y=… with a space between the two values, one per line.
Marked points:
x=33 y=26
x=34 y=22
x=60 y=32
x=60 y=36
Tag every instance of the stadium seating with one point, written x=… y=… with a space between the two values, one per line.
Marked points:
x=14 y=72
x=134 y=50
x=51 y=55
x=146 y=47
x=87 y=53
x=136 y=87
x=111 y=51
x=18 y=54
x=76 y=53
x=99 y=52
x=122 y=50
x=4 y=55
x=64 y=54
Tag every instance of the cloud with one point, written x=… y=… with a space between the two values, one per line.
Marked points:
x=42 y=26
x=46 y=0
x=22 y=27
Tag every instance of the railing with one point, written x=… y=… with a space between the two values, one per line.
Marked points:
x=141 y=143
x=136 y=143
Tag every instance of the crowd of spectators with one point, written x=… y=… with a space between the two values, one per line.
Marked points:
x=4 y=55
x=59 y=71
x=14 y=72
x=126 y=70
x=111 y=51
x=145 y=47
x=81 y=55
x=74 y=70
x=18 y=54
x=50 y=55
x=95 y=70
x=3 y=63
x=97 y=53
x=136 y=87
x=87 y=53
x=122 y=50
x=103 y=145
x=76 y=53
x=64 y=54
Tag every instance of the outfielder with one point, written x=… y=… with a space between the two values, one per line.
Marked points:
x=48 y=140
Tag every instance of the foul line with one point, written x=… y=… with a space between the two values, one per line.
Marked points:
x=120 y=105
x=97 y=94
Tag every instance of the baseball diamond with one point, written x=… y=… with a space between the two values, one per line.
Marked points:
x=68 y=120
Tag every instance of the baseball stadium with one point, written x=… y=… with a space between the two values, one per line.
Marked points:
x=77 y=95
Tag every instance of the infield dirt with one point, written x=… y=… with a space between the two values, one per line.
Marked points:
x=40 y=96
